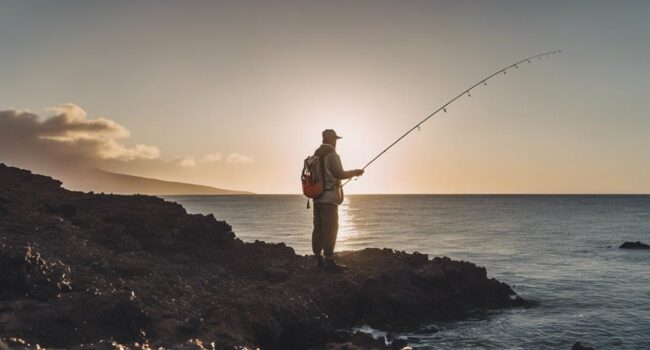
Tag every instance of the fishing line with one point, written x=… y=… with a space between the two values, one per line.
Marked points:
x=465 y=92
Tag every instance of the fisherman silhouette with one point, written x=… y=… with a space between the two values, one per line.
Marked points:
x=326 y=217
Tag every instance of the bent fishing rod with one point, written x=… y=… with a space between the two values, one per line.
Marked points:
x=465 y=92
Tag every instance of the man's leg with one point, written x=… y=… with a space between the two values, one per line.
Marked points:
x=330 y=228
x=317 y=234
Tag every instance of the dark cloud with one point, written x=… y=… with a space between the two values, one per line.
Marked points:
x=66 y=135
x=66 y=143
x=69 y=120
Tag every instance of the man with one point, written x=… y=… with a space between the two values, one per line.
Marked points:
x=326 y=217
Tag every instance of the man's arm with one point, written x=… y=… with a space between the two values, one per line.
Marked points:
x=337 y=168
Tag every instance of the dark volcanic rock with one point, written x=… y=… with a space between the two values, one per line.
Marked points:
x=24 y=273
x=4 y=203
x=361 y=341
x=634 y=245
x=82 y=268
x=66 y=210
x=579 y=346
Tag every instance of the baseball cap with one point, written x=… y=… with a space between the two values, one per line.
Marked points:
x=330 y=133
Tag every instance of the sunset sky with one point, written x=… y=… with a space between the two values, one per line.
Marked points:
x=234 y=94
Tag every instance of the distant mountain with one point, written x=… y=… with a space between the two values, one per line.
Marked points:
x=99 y=180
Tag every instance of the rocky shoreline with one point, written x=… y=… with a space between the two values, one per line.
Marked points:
x=83 y=270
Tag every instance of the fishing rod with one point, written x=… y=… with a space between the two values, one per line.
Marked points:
x=465 y=92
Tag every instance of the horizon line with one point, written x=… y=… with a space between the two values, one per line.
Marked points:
x=430 y=194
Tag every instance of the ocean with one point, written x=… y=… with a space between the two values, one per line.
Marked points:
x=561 y=251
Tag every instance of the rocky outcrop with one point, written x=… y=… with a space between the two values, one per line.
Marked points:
x=579 y=346
x=634 y=245
x=82 y=268
x=365 y=341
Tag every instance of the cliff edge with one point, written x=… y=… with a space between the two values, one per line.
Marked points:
x=83 y=270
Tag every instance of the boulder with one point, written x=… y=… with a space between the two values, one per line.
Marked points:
x=634 y=245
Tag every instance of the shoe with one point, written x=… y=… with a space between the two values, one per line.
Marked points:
x=319 y=261
x=332 y=266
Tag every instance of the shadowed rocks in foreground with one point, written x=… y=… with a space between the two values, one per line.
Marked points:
x=79 y=268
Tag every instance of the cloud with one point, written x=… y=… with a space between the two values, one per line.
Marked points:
x=68 y=133
x=70 y=122
x=113 y=150
x=66 y=143
x=238 y=158
x=212 y=158
x=230 y=158
x=188 y=162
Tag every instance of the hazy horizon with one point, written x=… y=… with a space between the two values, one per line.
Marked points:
x=234 y=94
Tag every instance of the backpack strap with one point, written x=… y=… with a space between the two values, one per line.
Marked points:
x=321 y=158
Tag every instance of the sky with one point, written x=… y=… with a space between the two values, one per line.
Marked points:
x=234 y=94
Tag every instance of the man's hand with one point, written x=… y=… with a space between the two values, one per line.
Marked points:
x=358 y=172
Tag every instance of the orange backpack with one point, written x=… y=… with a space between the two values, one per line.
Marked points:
x=313 y=176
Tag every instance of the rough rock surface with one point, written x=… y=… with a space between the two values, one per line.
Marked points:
x=634 y=245
x=84 y=270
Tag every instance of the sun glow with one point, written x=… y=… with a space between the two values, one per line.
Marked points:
x=347 y=230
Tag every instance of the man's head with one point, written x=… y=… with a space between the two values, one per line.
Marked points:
x=330 y=137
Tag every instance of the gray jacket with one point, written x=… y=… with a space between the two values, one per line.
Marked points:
x=334 y=173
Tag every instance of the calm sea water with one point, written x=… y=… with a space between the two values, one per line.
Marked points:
x=559 y=250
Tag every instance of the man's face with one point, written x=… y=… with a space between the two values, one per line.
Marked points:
x=331 y=141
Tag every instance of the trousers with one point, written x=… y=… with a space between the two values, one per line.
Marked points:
x=326 y=228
